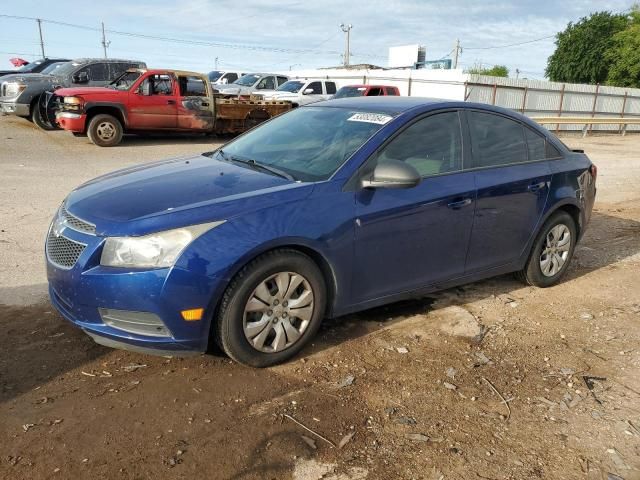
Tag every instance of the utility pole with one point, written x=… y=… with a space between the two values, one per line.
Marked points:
x=517 y=73
x=458 y=50
x=347 y=53
x=104 y=42
x=41 y=41
x=216 y=63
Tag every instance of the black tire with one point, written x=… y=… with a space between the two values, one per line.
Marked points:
x=532 y=273
x=105 y=130
x=37 y=119
x=228 y=328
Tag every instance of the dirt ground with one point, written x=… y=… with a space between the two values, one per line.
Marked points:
x=493 y=380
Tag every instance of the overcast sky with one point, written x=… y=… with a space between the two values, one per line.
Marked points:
x=268 y=35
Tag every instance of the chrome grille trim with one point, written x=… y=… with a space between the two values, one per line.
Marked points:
x=62 y=251
x=76 y=223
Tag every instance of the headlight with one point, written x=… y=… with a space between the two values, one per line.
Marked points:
x=14 y=89
x=72 y=100
x=156 y=250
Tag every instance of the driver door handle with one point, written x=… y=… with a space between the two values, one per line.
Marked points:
x=171 y=102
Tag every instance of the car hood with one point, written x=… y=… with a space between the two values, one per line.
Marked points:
x=233 y=89
x=28 y=78
x=175 y=193
x=67 y=92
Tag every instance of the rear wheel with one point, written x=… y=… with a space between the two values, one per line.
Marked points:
x=552 y=251
x=105 y=130
x=271 y=309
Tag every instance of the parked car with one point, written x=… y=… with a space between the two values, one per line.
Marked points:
x=21 y=94
x=301 y=92
x=218 y=77
x=366 y=91
x=37 y=66
x=331 y=208
x=142 y=101
x=253 y=82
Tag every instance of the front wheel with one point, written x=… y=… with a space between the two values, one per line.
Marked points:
x=552 y=251
x=105 y=130
x=271 y=309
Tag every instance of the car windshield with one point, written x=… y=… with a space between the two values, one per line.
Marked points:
x=52 y=67
x=29 y=67
x=125 y=81
x=247 y=80
x=214 y=75
x=67 y=68
x=292 y=86
x=309 y=144
x=350 y=92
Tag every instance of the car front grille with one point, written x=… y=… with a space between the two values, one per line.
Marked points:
x=77 y=224
x=62 y=251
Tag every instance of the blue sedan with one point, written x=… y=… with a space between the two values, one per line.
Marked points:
x=329 y=209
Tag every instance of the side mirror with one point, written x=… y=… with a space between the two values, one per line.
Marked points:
x=392 y=174
x=81 y=77
x=307 y=91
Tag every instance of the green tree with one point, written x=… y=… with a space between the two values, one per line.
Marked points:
x=580 y=55
x=624 y=54
x=495 y=71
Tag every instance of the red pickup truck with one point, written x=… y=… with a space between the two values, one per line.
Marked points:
x=366 y=91
x=142 y=101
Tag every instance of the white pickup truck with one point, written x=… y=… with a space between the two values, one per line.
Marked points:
x=301 y=92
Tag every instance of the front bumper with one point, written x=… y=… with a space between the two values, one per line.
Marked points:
x=13 y=108
x=80 y=292
x=74 y=122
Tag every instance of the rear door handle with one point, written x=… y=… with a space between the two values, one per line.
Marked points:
x=171 y=102
x=458 y=204
x=536 y=187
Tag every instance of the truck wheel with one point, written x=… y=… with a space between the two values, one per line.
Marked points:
x=255 y=118
x=105 y=130
x=39 y=120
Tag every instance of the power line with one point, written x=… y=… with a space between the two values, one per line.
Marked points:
x=511 y=44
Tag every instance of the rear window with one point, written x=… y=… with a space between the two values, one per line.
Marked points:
x=496 y=140
x=391 y=91
x=331 y=87
x=350 y=92
x=192 y=87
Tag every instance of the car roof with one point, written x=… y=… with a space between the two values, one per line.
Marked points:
x=104 y=60
x=361 y=85
x=391 y=105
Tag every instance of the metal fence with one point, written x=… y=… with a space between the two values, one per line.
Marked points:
x=538 y=98
x=534 y=98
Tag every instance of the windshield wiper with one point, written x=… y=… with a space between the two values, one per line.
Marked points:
x=255 y=165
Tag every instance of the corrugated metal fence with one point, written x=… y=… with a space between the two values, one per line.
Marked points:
x=541 y=98
x=534 y=98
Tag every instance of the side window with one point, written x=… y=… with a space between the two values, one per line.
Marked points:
x=157 y=85
x=98 y=72
x=496 y=140
x=316 y=87
x=231 y=77
x=552 y=152
x=117 y=69
x=331 y=87
x=374 y=92
x=433 y=145
x=192 y=87
x=282 y=80
x=267 y=83
x=535 y=144
x=391 y=91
